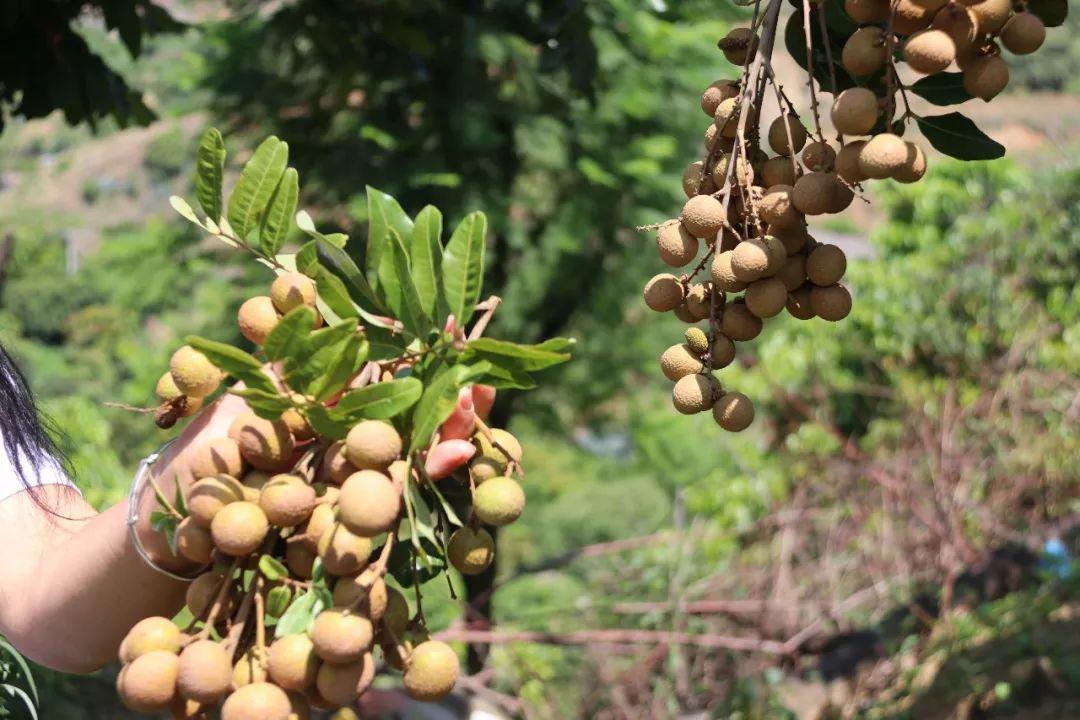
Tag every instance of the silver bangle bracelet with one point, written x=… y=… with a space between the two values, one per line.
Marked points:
x=146 y=466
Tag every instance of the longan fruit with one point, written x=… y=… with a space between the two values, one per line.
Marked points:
x=699 y=301
x=777 y=207
x=738 y=45
x=867 y=12
x=778 y=135
x=825 y=265
x=1023 y=34
x=723 y=351
x=750 y=260
x=910 y=17
x=341 y=637
x=733 y=412
x=793 y=274
x=676 y=246
x=864 y=52
x=499 y=501
x=340 y=685
x=855 y=111
x=167 y=392
x=396 y=617
x=696 y=340
x=683 y=314
x=483 y=468
x=693 y=394
x=840 y=197
x=882 y=156
x=208 y=496
x=372 y=445
x=291 y=290
x=342 y=552
x=715 y=141
x=217 y=456
x=258 y=701
x=257 y=317
x=716 y=93
x=323 y=515
x=765 y=298
x=248 y=669
x=148 y=635
x=991 y=15
x=205 y=672
x=471 y=551
x=292 y=662
x=778 y=170
x=266 y=444
x=664 y=292
x=832 y=303
x=192 y=373
x=193 y=541
x=148 y=683
x=798 y=303
x=847 y=162
x=958 y=23
x=726 y=119
x=691 y=178
x=369 y=503
x=739 y=324
x=364 y=592
x=202 y=592
x=985 y=77
x=239 y=528
x=431 y=671
x=300 y=559
x=929 y=51
x=703 y=216
x=335 y=467
x=723 y=275
x=914 y=166
x=253 y=482
x=502 y=448
x=818 y=156
x=678 y=361
x=287 y=500
x=776 y=252
x=813 y=193
x=793 y=239
x=742 y=174
x=297 y=424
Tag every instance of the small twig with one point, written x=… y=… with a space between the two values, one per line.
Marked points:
x=489 y=307
x=613 y=637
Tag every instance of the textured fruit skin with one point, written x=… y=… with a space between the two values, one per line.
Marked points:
x=321 y=518
x=723 y=351
x=733 y=412
x=503 y=441
x=825 y=265
x=287 y=500
x=910 y=17
x=985 y=77
x=738 y=45
x=248 y=669
x=193 y=373
x=340 y=685
x=793 y=239
x=335 y=468
x=693 y=394
x=266 y=444
x=726 y=118
x=798 y=304
x=202 y=592
x=750 y=260
x=739 y=324
x=258 y=701
x=855 y=111
x=432 y=671
x=368 y=595
x=239 y=528
x=369 y=503
x=778 y=171
x=778 y=135
x=742 y=174
x=499 y=501
x=148 y=635
x=149 y=683
x=832 y=303
x=217 y=456
x=193 y=542
x=209 y=495
x=471 y=551
x=676 y=246
x=256 y=318
x=703 y=216
x=716 y=93
x=292 y=662
x=847 y=162
x=960 y=24
x=777 y=207
x=699 y=301
x=691 y=177
x=793 y=274
x=929 y=51
x=291 y=290
x=867 y=12
x=664 y=292
x=696 y=340
x=342 y=552
x=1023 y=34
x=205 y=672
x=396 y=617
x=167 y=392
x=914 y=166
x=341 y=637
x=765 y=298
x=483 y=469
x=864 y=52
x=723 y=275
x=882 y=155
x=991 y=15
x=372 y=445
x=678 y=361
x=813 y=193
x=818 y=156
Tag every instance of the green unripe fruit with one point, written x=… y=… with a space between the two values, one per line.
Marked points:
x=696 y=340
x=826 y=264
x=266 y=444
x=502 y=447
x=483 y=469
x=832 y=303
x=372 y=445
x=678 y=361
x=292 y=662
x=149 y=635
x=291 y=290
x=664 y=293
x=258 y=701
x=239 y=528
x=733 y=412
x=193 y=373
x=471 y=551
x=208 y=496
x=205 y=672
x=787 y=135
x=148 y=684
x=693 y=394
x=499 y=501
x=257 y=317
x=341 y=637
x=287 y=500
x=676 y=246
x=432 y=671
x=369 y=504
x=342 y=552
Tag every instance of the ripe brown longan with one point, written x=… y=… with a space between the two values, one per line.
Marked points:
x=750 y=260
x=723 y=351
x=471 y=551
x=765 y=298
x=499 y=501
x=335 y=467
x=664 y=292
x=1023 y=34
x=239 y=528
x=678 y=361
x=855 y=111
x=193 y=373
x=777 y=252
x=986 y=76
x=248 y=669
x=825 y=265
x=266 y=444
x=813 y=193
x=341 y=636
x=847 y=162
x=723 y=275
x=793 y=274
x=991 y=15
x=738 y=45
x=778 y=208
x=343 y=552
x=778 y=170
x=148 y=684
x=287 y=500
x=726 y=119
x=779 y=131
x=372 y=445
x=292 y=662
x=864 y=52
x=205 y=672
x=258 y=701
x=914 y=166
x=369 y=503
x=733 y=412
x=193 y=541
x=832 y=303
x=742 y=174
x=203 y=591
x=217 y=456
x=867 y=12
x=716 y=93
x=693 y=394
x=676 y=246
x=340 y=685
x=792 y=238
x=959 y=23
x=208 y=496
x=300 y=559
x=691 y=179
x=909 y=16
x=431 y=671
x=929 y=51
x=798 y=304
x=841 y=195
x=257 y=317
x=291 y=290
x=818 y=156
x=739 y=324
x=703 y=216
x=699 y=301
x=167 y=392
x=148 y=635
x=882 y=156
x=367 y=593
x=396 y=617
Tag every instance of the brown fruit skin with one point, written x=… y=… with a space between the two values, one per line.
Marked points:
x=193 y=542
x=287 y=500
x=855 y=111
x=292 y=662
x=867 y=12
x=300 y=560
x=148 y=635
x=217 y=456
x=1023 y=34
x=202 y=592
x=959 y=23
x=812 y=194
x=798 y=303
x=825 y=265
x=914 y=166
x=793 y=274
x=208 y=496
x=691 y=177
x=726 y=122
x=778 y=135
x=841 y=195
x=341 y=637
x=750 y=260
x=664 y=292
x=738 y=45
x=818 y=156
x=793 y=239
x=723 y=275
x=266 y=444
x=499 y=501
x=291 y=290
x=847 y=162
x=192 y=372
x=723 y=351
x=335 y=467
x=765 y=298
x=882 y=156
x=342 y=552
x=166 y=391
x=739 y=324
x=716 y=93
x=985 y=77
x=929 y=51
x=239 y=528
x=340 y=685
x=248 y=669
x=864 y=52
x=778 y=208
x=205 y=672
x=743 y=173
x=432 y=671
x=149 y=683
x=678 y=361
x=733 y=411
x=471 y=551
x=396 y=617
x=778 y=171
x=369 y=504
x=991 y=15
x=297 y=424
x=699 y=301
x=910 y=17
x=253 y=483
x=675 y=245
x=322 y=517
x=703 y=216
x=832 y=303
x=372 y=445
x=256 y=318
x=693 y=394
x=355 y=593
x=258 y=701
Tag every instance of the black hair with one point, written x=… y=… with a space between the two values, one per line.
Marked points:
x=27 y=434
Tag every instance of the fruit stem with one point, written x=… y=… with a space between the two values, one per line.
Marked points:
x=810 y=68
x=489 y=307
x=219 y=600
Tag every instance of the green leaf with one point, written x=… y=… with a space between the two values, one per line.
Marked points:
x=319 y=419
x=426 y=254
x=235 y=362
x=502 y=378
x=271 y=568
x=380 y=401
x=338 y=262
x=439 y=399
x=209 y=171
x=1051 y=12
x=795 y=40
x=463 y=267
x=307 y=259
x=24 y=668
x=334 y=294
x=344 y=364
x=300 y=615
x=957 y=136
x=256 y=185
x=264 y=404
x=384 y=213
x=289 y=335
x=165 y=523
x=411 y=312
x=943 y=88
x=324 y=357
x=279 y=216
x=181 y=206
x=277 y=601
x=527 y=358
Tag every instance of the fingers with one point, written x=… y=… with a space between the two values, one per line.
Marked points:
x=448 y=456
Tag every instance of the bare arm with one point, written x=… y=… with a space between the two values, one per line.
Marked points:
x=71 y=588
